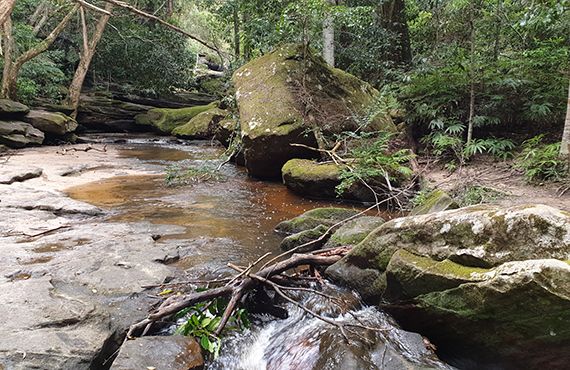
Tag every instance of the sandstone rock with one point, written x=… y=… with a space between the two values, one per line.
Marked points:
x=16 y=134
x=165 y=353
x=166 y=120
x=12 y=109
x=436 y=201
x=202 y=126
x=271 y=110
x=313 y=218
x=10 y=175
x=354 y=231
x=51 y=122
x=225 y=130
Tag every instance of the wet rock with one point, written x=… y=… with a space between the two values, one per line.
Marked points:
x=202 y=126
x=225 y=130
x=16 y=134
x=9 y=175
x=304 y=237
x=354 y=231
x=165 y=353
x=12 y=109
x=314 y=218
x=165 y=120
x=436 y=201
x=271 y=107
x=55 y=123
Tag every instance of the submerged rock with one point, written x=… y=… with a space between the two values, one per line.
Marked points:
x=272 y=93
x=436 y=201
x=166 y=120
x=55 y=123
x=480 y=278
x=12 y=109
x=202 y=126
x=16 y=134
x=174 y=352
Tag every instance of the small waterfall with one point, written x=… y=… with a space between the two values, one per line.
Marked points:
x=304 y=342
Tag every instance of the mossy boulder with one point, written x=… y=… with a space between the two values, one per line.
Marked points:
x=54 y=123
x=304 y=237
x=485 y=278
x=519 y=313
x=310 y=178
x=436 y=201
x=476 y=236
x=12 y=109
x=16 y=134
x=354 y=231
x=165 y=120
x=202 y=126
x=313 y=179
x=328 y=216
x=272 y=93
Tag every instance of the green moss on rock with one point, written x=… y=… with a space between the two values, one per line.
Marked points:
x=167 y=119
x=315 y=217
x=354 y=231
x=304 y=237
x=202 y=126
x=436 y=201
x=310 y=178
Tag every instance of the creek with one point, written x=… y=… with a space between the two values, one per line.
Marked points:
x=232 y=221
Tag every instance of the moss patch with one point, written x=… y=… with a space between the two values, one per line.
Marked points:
x=167 y=119
x=202 y=126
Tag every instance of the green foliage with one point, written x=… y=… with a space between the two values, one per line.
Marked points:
x=178 y=175
x=374 y=160
x=541 y=162
x=203 y=319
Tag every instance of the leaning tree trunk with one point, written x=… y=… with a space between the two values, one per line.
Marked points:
x=6 y=7
x=328 y=37
x=10 y=77
x=565 y=144
x=8 y=45
x=85 y=60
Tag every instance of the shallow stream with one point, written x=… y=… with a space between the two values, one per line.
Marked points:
x=233 y=221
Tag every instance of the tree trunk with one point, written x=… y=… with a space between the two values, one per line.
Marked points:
x=471 y=75
x=6 y=7
x=392 y=14
x=328 y=37
x=237 y=46
x=9 y=82
x=565 y=144
x=85 y=60
x=8 y=44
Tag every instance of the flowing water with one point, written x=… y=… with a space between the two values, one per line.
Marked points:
x=233 y=221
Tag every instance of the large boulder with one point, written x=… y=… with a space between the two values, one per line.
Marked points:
x=328 y=216
x=16 y=134
x=479 y=279
x=12 y=109
x=165 y=120
x=54 y=123
x=354 y=231
x=202 y=126
x=273 y=93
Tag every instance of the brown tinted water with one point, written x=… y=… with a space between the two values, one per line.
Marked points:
x=226 y=219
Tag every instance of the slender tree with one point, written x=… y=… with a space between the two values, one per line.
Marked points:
x=12 y=66
x=328 y=36
x=6 y=7
x=565 y=144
